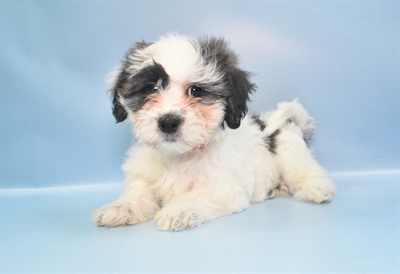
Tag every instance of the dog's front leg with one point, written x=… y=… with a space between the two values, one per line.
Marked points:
x=136 y=204
x=191 y=209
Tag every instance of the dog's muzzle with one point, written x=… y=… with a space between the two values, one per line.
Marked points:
x=169 y=123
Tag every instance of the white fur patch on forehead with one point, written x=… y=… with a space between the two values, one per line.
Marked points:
x=181 y=58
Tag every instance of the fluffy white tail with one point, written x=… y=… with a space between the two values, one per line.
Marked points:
x=289 y=112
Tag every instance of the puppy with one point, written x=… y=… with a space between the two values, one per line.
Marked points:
x=198 y=156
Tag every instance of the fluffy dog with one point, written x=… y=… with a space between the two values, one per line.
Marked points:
x=198 y=155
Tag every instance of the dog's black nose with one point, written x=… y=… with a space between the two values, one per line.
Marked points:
x=169 y=123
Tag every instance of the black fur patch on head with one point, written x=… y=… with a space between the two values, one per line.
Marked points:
x=134 y=87
x=151 y=75
x=237 y=85
x=271 y=142
x=256 y=120
x=121 y=82
x=145 y=82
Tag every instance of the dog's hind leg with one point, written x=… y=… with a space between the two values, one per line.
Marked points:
x=305 y=178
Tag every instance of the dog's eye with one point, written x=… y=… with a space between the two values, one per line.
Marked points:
x=195 y=91
x=150 y=88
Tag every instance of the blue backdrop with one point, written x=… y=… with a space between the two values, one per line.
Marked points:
x=340 y=59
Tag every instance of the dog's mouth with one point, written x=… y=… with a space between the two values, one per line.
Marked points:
x=170 y=138
x=175 y=143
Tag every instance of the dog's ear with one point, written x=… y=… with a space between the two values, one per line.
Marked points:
x=119 y=81
x=240 y=88
x=237 y=84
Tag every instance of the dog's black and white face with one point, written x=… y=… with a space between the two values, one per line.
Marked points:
x=179 y=90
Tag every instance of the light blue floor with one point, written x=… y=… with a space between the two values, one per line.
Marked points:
x=49 y=231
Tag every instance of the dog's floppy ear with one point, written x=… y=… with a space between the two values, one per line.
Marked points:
x=236 y=81
x=119 y=81
x=240 y=88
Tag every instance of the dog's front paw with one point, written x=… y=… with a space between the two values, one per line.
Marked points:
x=177 y=220
x=121 y=213
x=318 y=191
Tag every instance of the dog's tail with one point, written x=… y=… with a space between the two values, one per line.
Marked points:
x=291 y=112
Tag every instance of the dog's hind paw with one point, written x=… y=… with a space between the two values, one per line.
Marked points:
x=318 y=191
x=177 y=221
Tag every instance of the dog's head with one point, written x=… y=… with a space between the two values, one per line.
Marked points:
x=179 y=90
